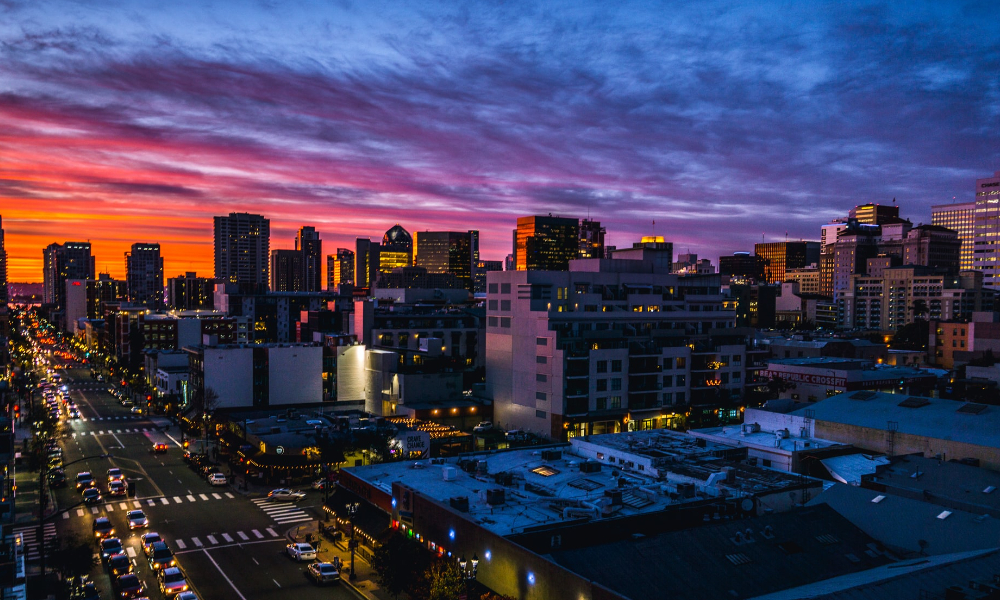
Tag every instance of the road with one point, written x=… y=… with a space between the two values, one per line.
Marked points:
x=229 y=545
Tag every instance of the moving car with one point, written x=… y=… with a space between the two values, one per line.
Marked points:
x=186 y=596
x=117 y=488
x=103 y=528
x=129 y=586
x=137 y=519
x=147 y=540
x=217 y=479
x=111 y=546
x=57 y=478
x=172 y=582
x=91 y=496
x=323 y=572
x=160 y=557
x=115 y=474
x=119 y=564
x=319 y=484
x=159 y=448
x=84 y=480
x=300 y=551
x=285 y=495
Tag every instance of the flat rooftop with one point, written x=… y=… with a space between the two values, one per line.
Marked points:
x=735 y=435
x=950 y=484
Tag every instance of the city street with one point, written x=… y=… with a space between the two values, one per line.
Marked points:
x=229 y=545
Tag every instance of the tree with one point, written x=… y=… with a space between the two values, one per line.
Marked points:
x=75 y=556
x=912 y=336
x=920 y=309
x=399 y=564
x=444 y=580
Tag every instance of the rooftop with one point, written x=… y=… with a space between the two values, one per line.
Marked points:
x=740 y=435
x=935 y=418
x=944 y=483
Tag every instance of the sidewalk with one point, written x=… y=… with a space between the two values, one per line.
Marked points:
x=365 y=584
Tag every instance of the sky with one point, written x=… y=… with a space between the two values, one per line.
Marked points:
x=726 y=123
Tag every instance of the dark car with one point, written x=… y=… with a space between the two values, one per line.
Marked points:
x=84 y=480
x=57 y=478
x=111 y=546
x=103 y=528
x=148 y=539
x=85 y=591
x=129 y=586
x=92 y=496
x=119 y=564
x=159 y=448
x=160 y=557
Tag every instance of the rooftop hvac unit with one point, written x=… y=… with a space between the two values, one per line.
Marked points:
x=551 y=454
x=459 y=503
x=495 y=497
x=686 y=490
x=615 y=496
x=590 y=466
x=448 y=473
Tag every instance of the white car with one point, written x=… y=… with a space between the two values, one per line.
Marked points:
x=286 y=495
x=217 y=479
x=483 y=426
x=301 y=551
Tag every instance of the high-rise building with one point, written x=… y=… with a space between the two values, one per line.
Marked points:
x=479 y=275
x=591 y=239
x=986 y=242
x=71 y=260
x=3 y=268
x=874 y=214
x=742 y=265
x=242 y=250
x=546 y=243
x=446 y=252
x=933 y=246
x=367 y=262
x=286 y=271
x=961 y=218
x=144 y=275
x=308 y=244
x=396 y=250
x=339 y=269
x=781 y=256
x=190 y=292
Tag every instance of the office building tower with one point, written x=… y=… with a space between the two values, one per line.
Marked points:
x=874 y=214
x=396 y=250
x=781 y=256
x=144 y=275
x=286 y=271
x=367 y=262
x=743 y=266
x=546 y=243
x=933 y=246
x=509 y=264
x=986 y=241
x=190 y=292
x=308 y=244
x=591 y=239
x=446 y=252
x=960 y=218
x=3 y=269
x=339 y=269
x=479 y=275
x=71 y=260
x=242 y=250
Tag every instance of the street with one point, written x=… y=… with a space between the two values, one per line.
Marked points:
x=230 y=546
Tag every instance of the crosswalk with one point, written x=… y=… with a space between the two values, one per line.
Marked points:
x=115 y=505
x=110 y=431
x=30 y=536
x=282 y=512
x=217 y=539
x=118 y=418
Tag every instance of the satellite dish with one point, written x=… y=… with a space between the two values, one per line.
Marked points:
x=747 y=505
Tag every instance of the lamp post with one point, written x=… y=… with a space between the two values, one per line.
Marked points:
x=468 y=572
x=352 y=509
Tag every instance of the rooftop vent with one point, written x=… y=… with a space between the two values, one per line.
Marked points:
x=914 y=402
x=863 y=395
x=971 y=408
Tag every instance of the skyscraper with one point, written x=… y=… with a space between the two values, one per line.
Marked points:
x=286 y=271
x=446 y=252
x=3 y=268
x=367 y=260
x=144 y=275
x=308 y=244
x=190 y=292
x=959 y=217
x=781 y=256
x=591 y=239
x=546 y=243
x=340 y=269
x=71 y=260
x=874 y=214
x=242 y=250
x=396 y=250
x=986 y=236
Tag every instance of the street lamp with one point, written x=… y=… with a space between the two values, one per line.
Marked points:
x=468 y=572
x=352 y=509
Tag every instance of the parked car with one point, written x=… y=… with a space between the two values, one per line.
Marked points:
x=186 y=596
x=217 y=479
x=323 y=572
x=483 y=426
x=301 y=552
x=57 y=478
x=285 y=495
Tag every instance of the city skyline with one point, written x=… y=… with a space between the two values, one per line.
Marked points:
x=726 y=126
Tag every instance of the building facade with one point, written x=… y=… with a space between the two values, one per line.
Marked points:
x=310 y=247
x=591 y=239
x=781 y=256
x=961 y=218
x=367 y=262
x=257 y=375
x=545 y=243
x=447 y=252
x=242 y=250
x=986 y=235
x=190 y=292
x=340 y=269
x=286 y=271
x=397 y=249
x=144 y=275
x=71 y=260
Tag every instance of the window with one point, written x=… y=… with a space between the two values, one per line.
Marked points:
x=504 y=288
x=766 y=462
x=615 y=401
x=668 y=381
x=541 y=359
x=505 y=322
x=616 y=384
x=602 y=403
x=541 y=396
x=737 y=359
x=492 y=321
x=494 y=288
x=492 y=305
x=737 y=377
x=541 y=378
x=668 y=397
x=505 y=305
x=545 y=471
x=725 y=378
x=681 y=362
x=602 y=366
x=602 y=385
x=541 y=341
x=681 y=380
x=680 y=397
x=540 y=414
x=616 y=366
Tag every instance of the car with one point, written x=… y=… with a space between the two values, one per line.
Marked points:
x=82 y=588
x=119 y=564
x=285 y=495
x=217 y=479
x=103 y=528
x=117 y=488
x=483 y=426
x=115 y=474
x=129 y=586
x=136 y=410
x=92 y=496
x=159 y=448
x=319 y=484
x=111 y=546
x=186 y=596
x=84 y=480
x=148 y=539
x=137 y=519
x=300 y=551
x=323 y=572
x=57 y=478
x=160 y=557
x=172 y=582
x=74 y=413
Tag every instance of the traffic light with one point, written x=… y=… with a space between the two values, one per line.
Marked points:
x=149 y=397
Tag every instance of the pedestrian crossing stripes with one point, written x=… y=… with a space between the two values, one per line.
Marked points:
x=29 y=534
x=281 y=512
x=222 y=538
x=118 y=418
x=109 y=431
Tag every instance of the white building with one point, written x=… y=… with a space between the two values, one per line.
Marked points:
x=258 y=375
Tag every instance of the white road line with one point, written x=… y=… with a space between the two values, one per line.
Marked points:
x=211 y=538
x=137 y=504
x=119 y=431
x=79 y=512
x=276 y=582
x=180 y=544
x=93 y=510
x=203 y=496
x=101 y=432
x=65 y=515
x=164 y=501
x=151 y=502
x=178 y=499
x=293 y=520
x=242 y=535
x=110 y=507
x=224 y=576
x=227 y=537
x=123 y=506
x=216 y=496
x=228 y=495
x=272 y=532
x=259 y=535
x=191 y=498
x=197 y=542
x=130 y=551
